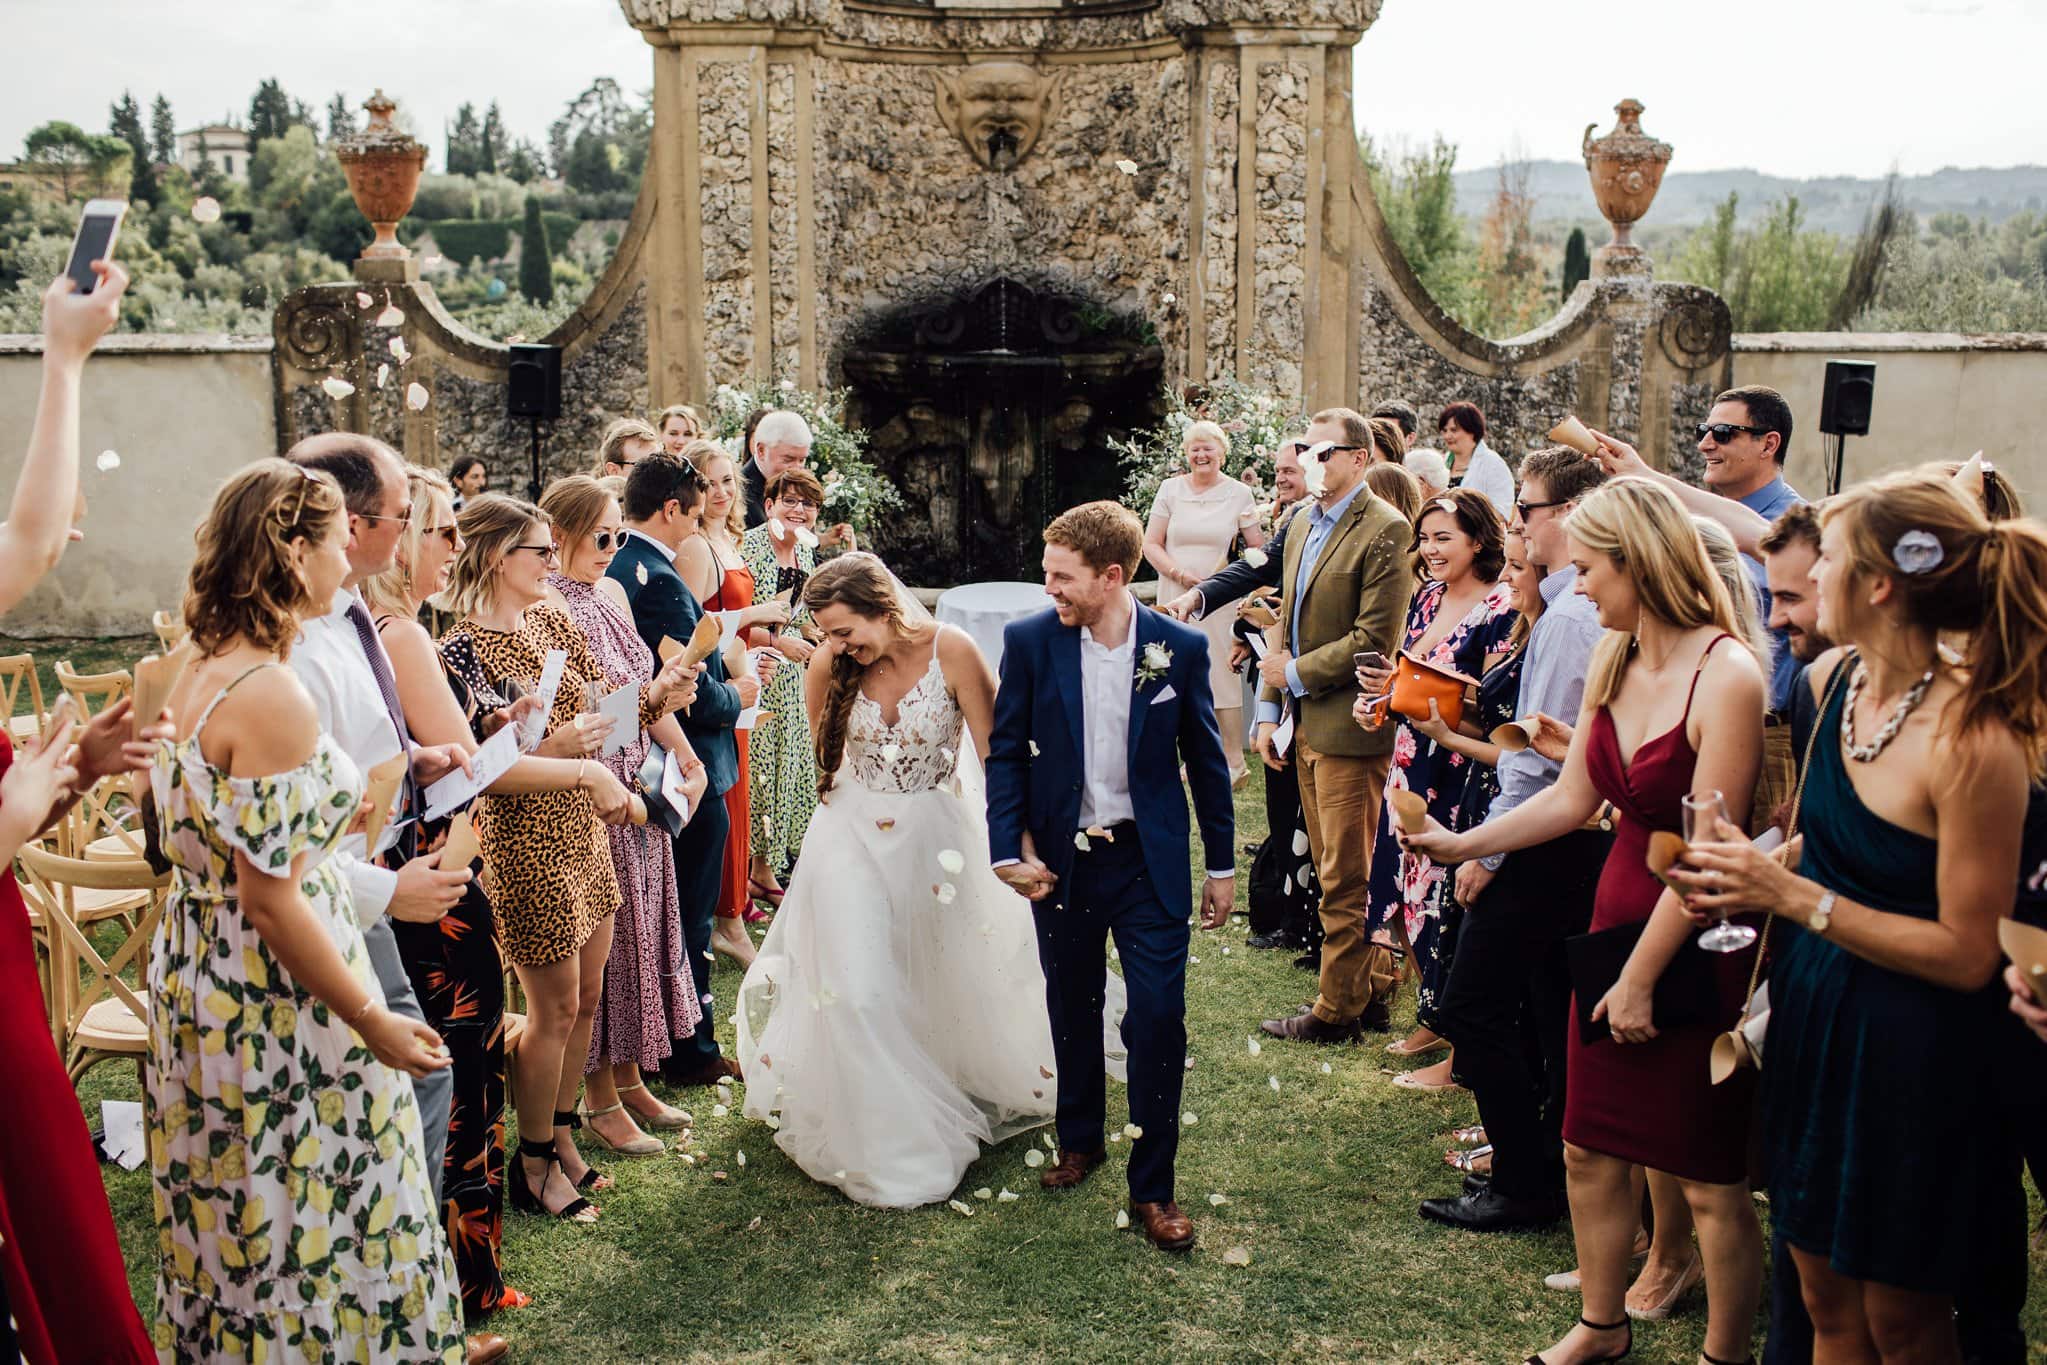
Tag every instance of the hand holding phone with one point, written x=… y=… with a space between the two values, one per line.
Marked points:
x=76 y=315
x=94 y=241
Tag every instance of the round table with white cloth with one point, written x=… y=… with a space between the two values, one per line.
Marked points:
x=983 y=609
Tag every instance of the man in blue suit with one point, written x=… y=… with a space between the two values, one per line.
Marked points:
x=662 y=500
x=1101 y=703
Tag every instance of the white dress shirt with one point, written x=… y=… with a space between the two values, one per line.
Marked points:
x=1107 y=681
x=659 y=548
x=1488 y=474
x=329 y=660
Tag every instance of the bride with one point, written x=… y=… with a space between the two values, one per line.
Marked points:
x=895 y=1018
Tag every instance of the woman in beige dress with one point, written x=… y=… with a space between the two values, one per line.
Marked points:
x=1195 y=521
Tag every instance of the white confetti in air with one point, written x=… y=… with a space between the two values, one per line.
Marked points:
x=1273 y=1081
x=838 y=1175
x=1080 y=840
x=398 y=349
x=640 y=572
x=806 y=537
x=383 y=372
x=1132 y=1131
x=1254 y=1045
x=416 y=397
x=788 y=386
x=1034 y=748
x=1190 y=1118
x=392 y=316
x=1168 y=300
x=1237 y=1256
x=364 y=300
x=1300 y=842
x=1255 y=557
x=432 y=260
x=1127 y=166
x=1007 y=1196
x=205 y=209
x=984 y=1193
x=1122 y=1218
x=777 y=528
x=107 y=462
x=947 y=893
x=890 y=752
x=1097 y=832
x=952 y=860
x=515 y=338
x=1034 y=1158
x=1218 y=1200
x=337 y=388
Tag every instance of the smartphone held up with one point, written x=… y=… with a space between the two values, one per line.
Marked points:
x=97 y=228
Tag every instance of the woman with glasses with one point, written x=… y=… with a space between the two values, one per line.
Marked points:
x=650 y=990
x=782 y=767
x=551 y=886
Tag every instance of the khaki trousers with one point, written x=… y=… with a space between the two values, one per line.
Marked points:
x=1340 y=799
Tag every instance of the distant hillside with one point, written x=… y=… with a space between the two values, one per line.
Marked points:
x=1837 y=203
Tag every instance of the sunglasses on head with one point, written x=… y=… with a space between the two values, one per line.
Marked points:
x=1723 y=432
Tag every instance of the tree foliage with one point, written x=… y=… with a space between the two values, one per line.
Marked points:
x=78 y=157
x=1577 y=262
x=340 y=118
x=536 y=262
x=272 y=113
x=163 y=132
x=1510 y=292
x=1418 y=198
x=125 y=122
x=1778 y=276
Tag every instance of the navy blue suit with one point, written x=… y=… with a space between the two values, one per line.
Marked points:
x=663 y=605
x=1138 y=890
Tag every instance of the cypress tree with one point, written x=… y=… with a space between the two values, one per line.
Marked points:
x=1577 y=261
x=536 y=263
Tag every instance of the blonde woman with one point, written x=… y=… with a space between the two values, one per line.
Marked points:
x=1673 y=708
x=281 y=1117
x=1195 y=520
x=552 y=884
x=678 y=424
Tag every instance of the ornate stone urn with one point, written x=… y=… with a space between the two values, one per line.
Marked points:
x=383 y=166
x=1626 y=167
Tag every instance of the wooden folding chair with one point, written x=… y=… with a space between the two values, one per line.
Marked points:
x=15 y=671
x=93 y=693
x=104 y=1015
x=170 y=628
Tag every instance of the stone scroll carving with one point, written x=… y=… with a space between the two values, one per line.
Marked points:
x=998 y=109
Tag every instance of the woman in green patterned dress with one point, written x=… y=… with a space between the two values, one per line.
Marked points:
x=293 y=1214
x=781 y=766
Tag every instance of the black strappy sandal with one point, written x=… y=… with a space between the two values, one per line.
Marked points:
x=1600 y=1327
x=1716 y=1360
x=526 y=1201
x=593 y=1179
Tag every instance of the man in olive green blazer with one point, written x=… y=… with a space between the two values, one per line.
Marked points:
x=1345 y=589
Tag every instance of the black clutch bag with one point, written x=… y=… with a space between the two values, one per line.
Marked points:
x=1688 y=992
x=649 y=784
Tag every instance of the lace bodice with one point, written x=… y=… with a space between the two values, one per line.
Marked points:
x=920 y=751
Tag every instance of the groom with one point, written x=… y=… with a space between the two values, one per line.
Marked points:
x=1101 y=703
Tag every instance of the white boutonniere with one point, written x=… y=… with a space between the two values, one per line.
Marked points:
x=1154 y=663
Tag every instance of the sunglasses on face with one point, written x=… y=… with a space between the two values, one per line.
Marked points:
x=447 y=533
x=1723 y=432
x=1322 y=450
x=403 y=518
x=544 y=551
x=606 y=539
x=1524 y=508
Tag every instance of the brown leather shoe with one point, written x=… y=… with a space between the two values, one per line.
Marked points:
x=1164 y=1225
x=710 y=1074
x=1306 y=1028
x=481 y=1348
x=1071 y=1168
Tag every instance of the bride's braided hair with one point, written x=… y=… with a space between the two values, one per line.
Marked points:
x=861 y=584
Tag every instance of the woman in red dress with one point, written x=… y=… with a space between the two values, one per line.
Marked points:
x=1673 y=707
x=715 y=570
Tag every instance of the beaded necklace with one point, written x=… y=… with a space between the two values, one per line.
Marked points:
x=1907 y=704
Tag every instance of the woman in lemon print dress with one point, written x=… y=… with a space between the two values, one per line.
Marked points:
x=293 y=1214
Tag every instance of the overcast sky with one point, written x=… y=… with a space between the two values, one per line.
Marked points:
x=1789 y=87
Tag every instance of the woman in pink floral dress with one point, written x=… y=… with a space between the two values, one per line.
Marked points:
x=1461 y=614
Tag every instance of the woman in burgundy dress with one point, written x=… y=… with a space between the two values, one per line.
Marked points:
x=1673 y=707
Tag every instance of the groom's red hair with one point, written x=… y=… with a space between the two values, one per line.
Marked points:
x=1102 y=533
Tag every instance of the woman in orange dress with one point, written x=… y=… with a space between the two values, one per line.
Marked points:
x=714 y=569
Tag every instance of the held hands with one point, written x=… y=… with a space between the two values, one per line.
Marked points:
x=403 y=1044
x=1261 y=744
x=1218 y=899
x=73 y=323
x=1628 y=1011
x=426 y=893
x=1184 y=607
x=1030 y=878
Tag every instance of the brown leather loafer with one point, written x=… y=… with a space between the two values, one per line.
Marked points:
x=481 y=1348
x=1071 y=1168
x=708 y=1074
x=1164 y=1226
x=1306 y=1028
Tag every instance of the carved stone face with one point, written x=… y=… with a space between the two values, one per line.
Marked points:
x=997 y=109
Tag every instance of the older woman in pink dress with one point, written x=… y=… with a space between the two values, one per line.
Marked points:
x=1195 y=522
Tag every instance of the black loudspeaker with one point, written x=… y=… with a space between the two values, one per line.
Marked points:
x=1849 y=395
x=533 y=387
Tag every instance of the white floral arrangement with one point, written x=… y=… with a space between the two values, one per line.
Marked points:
x=1254 y=421
x=854 y=490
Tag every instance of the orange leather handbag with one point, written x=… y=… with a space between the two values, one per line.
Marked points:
x=1417 y=682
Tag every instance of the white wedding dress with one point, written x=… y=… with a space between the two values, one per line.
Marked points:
x=895 y=1018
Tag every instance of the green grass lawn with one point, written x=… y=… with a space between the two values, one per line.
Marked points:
x=1322 y=1177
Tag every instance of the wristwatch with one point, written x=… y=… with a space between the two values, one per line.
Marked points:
x=1822 y=914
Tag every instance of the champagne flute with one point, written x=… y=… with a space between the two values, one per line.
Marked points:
x=1702 y=813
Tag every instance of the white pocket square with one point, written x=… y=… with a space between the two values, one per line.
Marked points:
x=1166 y=693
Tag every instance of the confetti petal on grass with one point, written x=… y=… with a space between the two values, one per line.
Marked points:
x=1254 y=1046
x=337 y=388
x=1007 y=1196
x=392 y=316
x=952 y=860
x=1115 y=1137
x=984 y=1193
x=205 y=209
x=1190 y=1118
x=108 y=462
x=755 y=1225
x=1127 y=166
x=719 y=1175
x=1133 y=1131
x=416 y=398
x=1122 y=1218
x=1327 y=1068
x=960 y=1207
x=1273 y=1081
x=719 y=1111
x=1034 y=1158
x=1255 y=557
x=1193 y=959
x=1218 y=1200
x=740 y=1157
x=1237 y=1256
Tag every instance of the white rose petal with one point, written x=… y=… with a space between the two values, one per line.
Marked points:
x=1122 y=1218
x=1300 y=842
x=1273 y=1081
x=806 y=537
x=640 y=572
x=838 y=1175
x=1132 y=1131
x=1157 y=655
x=1115 y=1137
x=755 y=1225
x=1168 y=300
x=1254 y=1045
x=1008 y=1196
x=1189 y=1119
x=416 y=396
x=984 y=1193
x=947 y=893
x=205 y=209
x=364 y=300
x=392 y=316
x=719 y=1111
x=1193 y=959
x=1127 y=166
x=1034 y=1158
x=1051 y=1142
x=1327 y=1069
x=337 y=388
x=777 y=529
x=1237 y=1256
x=740 y=1157
x=891 y=752
x=1080 y=840
x=952 y=860
x=107 y=462
x=383 y=372
x=1034 y=748
x=1226 y=952
x=1255 y=557
x=960 y=1207
x=1218 y=1199
x=398 y=349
